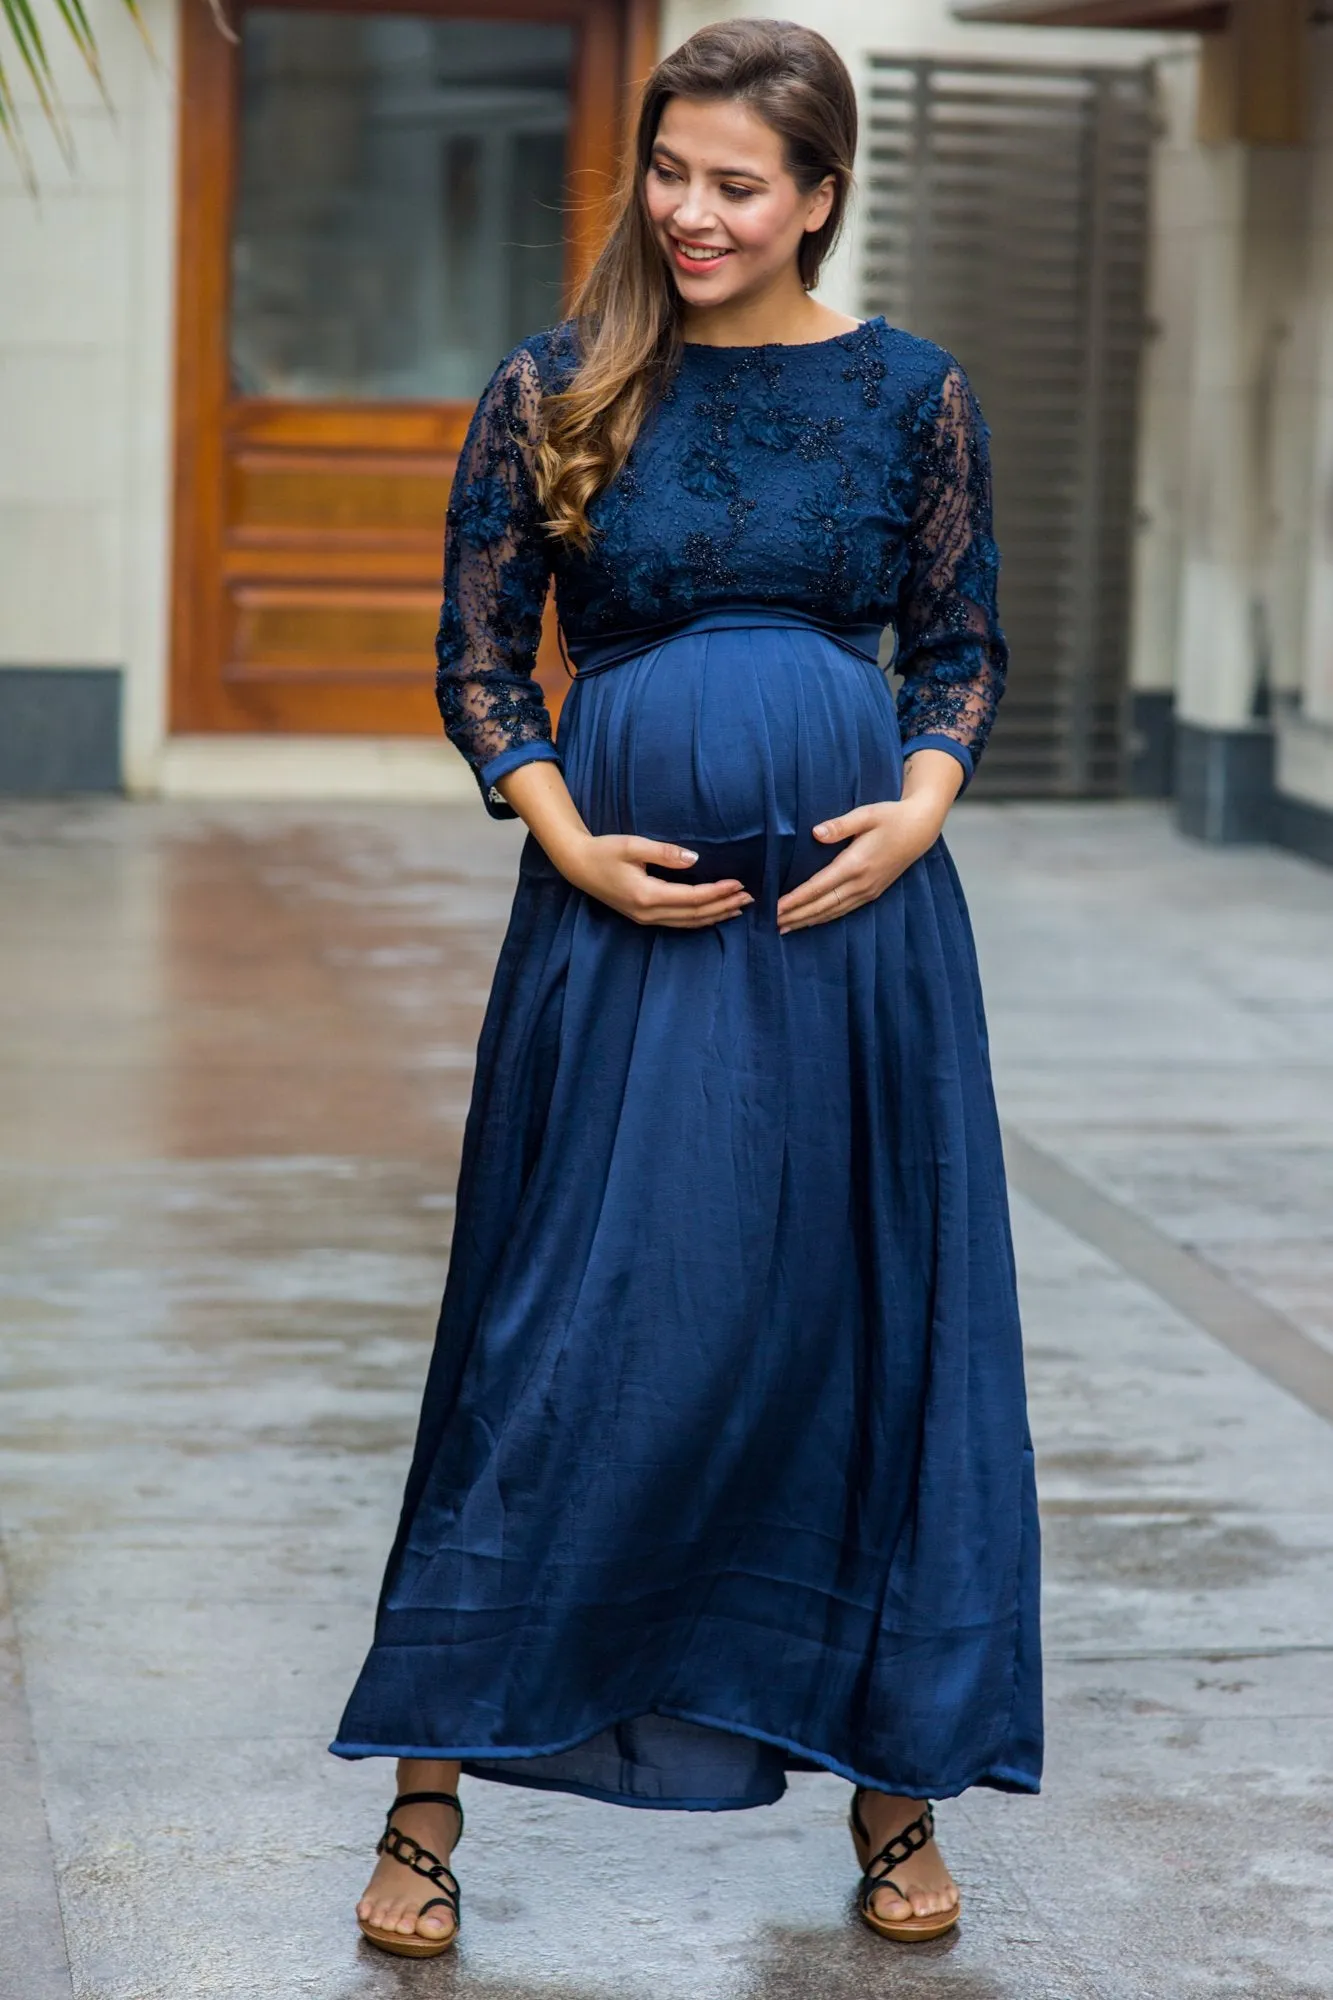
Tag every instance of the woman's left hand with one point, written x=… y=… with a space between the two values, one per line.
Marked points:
x=884 y=840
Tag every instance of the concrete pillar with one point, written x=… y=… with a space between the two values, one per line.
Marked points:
x=1304 y=716
x=1164 y=404
x=148 y=467
x=1316 y=681
x=1249 y=268
x=85 y=415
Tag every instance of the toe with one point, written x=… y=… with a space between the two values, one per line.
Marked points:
x=435 y=1924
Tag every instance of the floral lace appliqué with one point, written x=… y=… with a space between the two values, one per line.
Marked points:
x=849 y=481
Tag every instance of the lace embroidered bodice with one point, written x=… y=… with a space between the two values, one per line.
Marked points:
x=847 y=480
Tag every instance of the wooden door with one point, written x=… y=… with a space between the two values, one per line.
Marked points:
x=376 y=201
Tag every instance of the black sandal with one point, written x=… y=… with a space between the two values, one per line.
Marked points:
x=876 y=1870
x=401 y=1847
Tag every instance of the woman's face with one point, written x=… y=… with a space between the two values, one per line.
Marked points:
x=727 y=215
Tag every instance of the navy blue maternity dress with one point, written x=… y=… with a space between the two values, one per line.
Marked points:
x=723 y=1468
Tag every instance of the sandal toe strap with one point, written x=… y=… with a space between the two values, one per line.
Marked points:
x=439 y=1902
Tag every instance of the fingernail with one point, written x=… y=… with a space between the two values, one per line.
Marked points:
x=689 y=854
x=823 y=827
x=747 y=899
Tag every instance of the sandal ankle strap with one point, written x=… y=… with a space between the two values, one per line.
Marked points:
x=426 y=1799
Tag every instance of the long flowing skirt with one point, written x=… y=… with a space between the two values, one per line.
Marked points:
x=723 y=1467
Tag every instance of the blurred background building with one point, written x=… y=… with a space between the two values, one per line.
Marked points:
x=240 y=342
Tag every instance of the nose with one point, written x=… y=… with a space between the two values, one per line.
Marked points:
x=695 y=210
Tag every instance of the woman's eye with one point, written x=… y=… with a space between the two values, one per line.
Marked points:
x=737 y=193
x=662 y=173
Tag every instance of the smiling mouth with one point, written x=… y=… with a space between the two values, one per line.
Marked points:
x=698 y=254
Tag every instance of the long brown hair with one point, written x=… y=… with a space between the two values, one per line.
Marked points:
x=627 y=313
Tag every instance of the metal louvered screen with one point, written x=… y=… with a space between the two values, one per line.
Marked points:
x=1007 y=220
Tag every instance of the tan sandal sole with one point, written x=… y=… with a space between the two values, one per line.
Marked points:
x=905 y=1930
x=404 y=1945
x=912 y=1930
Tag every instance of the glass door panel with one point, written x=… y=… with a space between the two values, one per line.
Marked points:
x=398 y=220
x=374 y=209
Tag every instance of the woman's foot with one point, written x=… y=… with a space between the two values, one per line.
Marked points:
x=922 y=1885
x=394 y=1893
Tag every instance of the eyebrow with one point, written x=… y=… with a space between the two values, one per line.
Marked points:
x=722 y=173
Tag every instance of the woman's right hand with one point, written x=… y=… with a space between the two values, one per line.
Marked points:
x=613 y=867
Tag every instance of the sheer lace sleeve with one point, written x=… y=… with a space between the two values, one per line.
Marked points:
x=951 y=651
x=496 y=571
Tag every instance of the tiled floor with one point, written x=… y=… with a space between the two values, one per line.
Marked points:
x=234 y=1063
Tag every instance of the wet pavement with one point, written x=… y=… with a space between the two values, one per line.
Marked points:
x=235 y=1059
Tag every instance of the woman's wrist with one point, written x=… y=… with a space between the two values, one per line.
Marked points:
x=932 y=780
x=539 y=795
x=925 y=803
x=567 y=849
x=925 y=816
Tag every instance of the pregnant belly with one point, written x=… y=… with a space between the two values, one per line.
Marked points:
x=735 y=743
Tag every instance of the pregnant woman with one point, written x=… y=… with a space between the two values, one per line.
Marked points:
x=723 y=1468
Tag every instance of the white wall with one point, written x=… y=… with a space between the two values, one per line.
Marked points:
x=86 y=372
x=921 y=28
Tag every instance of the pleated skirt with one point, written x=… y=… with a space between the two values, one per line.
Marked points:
x=723 y=1467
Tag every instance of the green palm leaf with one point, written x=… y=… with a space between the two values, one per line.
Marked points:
x=25 y=35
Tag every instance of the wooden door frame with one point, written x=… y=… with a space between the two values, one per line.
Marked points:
x=616 y=45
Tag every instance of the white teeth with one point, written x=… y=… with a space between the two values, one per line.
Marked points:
x=699 y=256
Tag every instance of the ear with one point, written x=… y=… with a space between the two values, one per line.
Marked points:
x=821 y=203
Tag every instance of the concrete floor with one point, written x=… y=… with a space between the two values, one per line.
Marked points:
x=235 y=1059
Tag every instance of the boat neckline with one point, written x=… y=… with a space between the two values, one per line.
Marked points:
x=785 y=346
